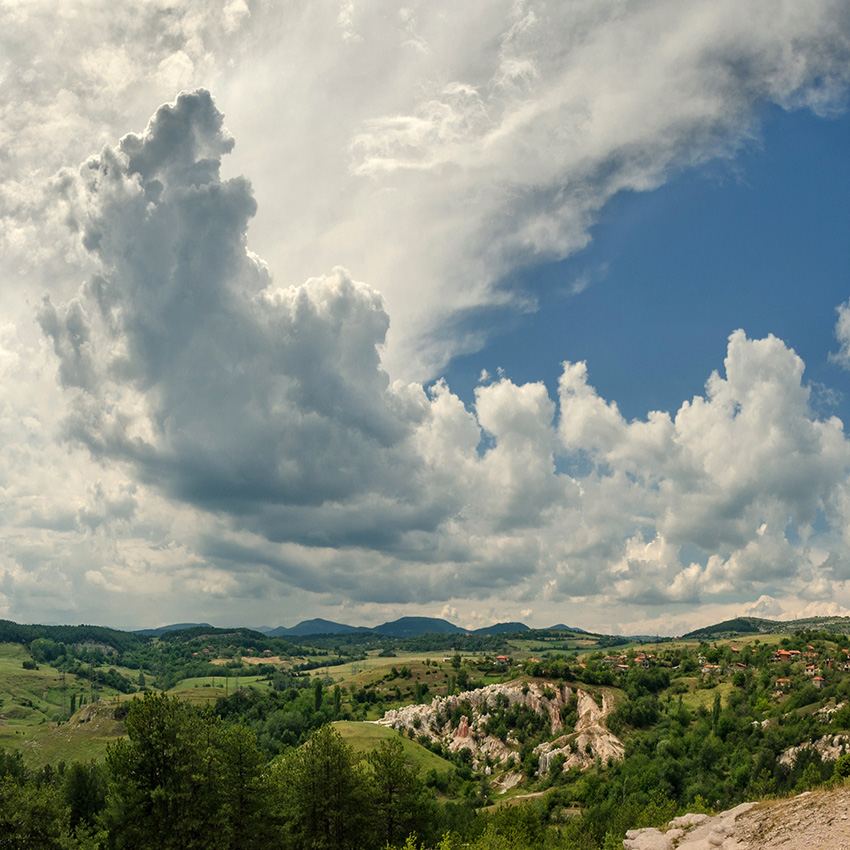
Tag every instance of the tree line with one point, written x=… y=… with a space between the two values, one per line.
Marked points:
x=183 y=779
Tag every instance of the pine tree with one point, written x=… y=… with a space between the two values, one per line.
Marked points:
x=323 y=794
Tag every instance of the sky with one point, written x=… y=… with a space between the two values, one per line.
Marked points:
x=504 y=310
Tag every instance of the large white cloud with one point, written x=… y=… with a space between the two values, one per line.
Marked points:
x=480 y=137
x=270 y=407
x=231 y=429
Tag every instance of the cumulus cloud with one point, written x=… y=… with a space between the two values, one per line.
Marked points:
x=207 y=377
x=258 y=428
x=269 y=408
x=764 y=606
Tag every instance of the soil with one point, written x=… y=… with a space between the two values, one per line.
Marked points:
x=816 y=820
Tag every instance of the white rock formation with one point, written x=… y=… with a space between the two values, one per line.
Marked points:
x=592 y=741
x=590 y=737
x=690 y=832
x=830 y=748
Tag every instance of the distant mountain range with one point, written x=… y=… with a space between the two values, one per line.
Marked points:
x=176 y=627
x=316 y=626
x=405 y=627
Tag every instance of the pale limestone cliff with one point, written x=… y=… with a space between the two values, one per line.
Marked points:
x=589 y=738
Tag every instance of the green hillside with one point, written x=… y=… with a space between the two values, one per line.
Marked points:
x=364 y=737
x=35 y=711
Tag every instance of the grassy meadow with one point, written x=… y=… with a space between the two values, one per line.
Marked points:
x=364 y=737
x=33 y=702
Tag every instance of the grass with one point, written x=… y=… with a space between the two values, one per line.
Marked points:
x=364 y=737
x=30 y=697
x=32 y=700
x=207 y=689
x=75 y=740
x=375 y=672
x=533 y=646
x=704 y=697
x=375 y=661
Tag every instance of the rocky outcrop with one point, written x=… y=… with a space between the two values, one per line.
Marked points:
x=591 y=739
x=829 y=747
x=694 y=832
x=580 y=744
x=509 y=779
x=815 y=820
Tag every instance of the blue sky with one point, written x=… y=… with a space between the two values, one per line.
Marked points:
x=502 y=310
x=761 y=242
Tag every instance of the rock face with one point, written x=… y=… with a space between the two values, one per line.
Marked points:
x=830 y=748
x=689 y=832
x=592 y=741
x=816 y=820
x=580 y=745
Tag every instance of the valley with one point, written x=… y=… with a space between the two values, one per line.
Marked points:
x=594 y=735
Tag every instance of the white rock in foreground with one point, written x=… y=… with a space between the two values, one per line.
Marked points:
x=815 y=820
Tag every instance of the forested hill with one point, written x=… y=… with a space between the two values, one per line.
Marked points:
x=756 y=625
x=73 y=635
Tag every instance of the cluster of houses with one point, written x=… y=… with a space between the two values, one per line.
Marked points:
x=208 y=650
x=621 y=662
x=809 y=656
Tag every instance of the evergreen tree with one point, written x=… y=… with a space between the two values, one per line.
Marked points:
x=84 y=792
x=182 y=781
x=31 y=816
x=323 y=795
x=398 y=800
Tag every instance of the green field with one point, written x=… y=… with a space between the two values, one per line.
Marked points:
x=376 y=671
x=207 y=689
x=83 y=738
x=30 y=697
x=704 y=696
x=31 y=703
x=532 y=646
x=375 y=661
x=363 y=737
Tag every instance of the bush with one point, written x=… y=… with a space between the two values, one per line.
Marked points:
x=842 y=766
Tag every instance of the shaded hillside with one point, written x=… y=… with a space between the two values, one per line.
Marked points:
x=406 y=627
x=502 y=629
x=755 y=625
x=11 y=632
x=174 y=627
x=316 y=626
x=734 y=627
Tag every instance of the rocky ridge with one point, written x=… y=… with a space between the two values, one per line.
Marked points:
x=829 y=747
x=580 y=745
x=815 y=820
